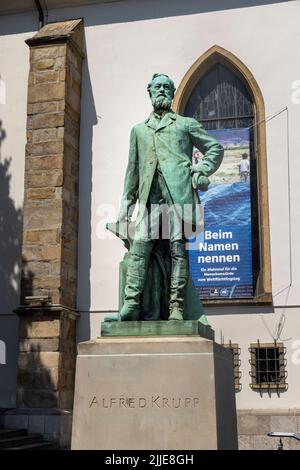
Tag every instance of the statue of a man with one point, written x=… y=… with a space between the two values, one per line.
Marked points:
x=160 y=173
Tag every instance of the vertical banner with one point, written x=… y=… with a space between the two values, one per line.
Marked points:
x=221 y=256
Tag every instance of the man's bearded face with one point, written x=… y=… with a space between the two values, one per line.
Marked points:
x=161 y=93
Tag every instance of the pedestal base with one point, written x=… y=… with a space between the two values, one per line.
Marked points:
x=154 y=393
x=157 y=328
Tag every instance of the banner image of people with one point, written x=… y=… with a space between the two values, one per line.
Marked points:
x=221 y=256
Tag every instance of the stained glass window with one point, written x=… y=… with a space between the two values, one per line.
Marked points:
x=220 y=100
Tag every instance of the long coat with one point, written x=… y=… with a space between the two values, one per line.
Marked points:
x=171 y=145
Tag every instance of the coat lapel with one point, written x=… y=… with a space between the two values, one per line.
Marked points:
x=151 y=122
x=168 y=119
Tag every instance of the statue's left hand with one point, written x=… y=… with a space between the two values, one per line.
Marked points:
x=200 y=182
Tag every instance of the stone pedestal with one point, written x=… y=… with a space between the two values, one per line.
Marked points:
x=167 y=393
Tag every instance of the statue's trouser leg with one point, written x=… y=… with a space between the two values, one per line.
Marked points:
x=135 y=278
x=179 y=278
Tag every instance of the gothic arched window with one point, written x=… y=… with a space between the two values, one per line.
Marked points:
x=220 y=92
x=220 y=100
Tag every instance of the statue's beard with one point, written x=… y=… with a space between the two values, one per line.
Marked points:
x=161 y=103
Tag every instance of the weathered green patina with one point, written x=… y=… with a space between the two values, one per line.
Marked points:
x=154 y=275
x=156 y=328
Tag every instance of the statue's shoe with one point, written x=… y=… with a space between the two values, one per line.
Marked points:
x=176 y=314
x=113 y=317
x=129 y=316
x=124 y=315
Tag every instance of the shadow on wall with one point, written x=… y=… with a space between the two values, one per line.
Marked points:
x=135 y=10
x=43 y=384
x=124 y=12
x=88 y=121
x=11 y=221
x=36 y=383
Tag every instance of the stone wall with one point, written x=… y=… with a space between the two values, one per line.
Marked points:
x=254 y=426
x=52 y=164
x=47 y=326
x=46 y=360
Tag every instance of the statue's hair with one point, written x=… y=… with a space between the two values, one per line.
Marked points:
x=161 y=75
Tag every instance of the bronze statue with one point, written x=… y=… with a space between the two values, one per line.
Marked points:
x=160 y=176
